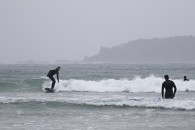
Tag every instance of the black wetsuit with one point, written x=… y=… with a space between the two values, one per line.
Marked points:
x=50 y=74
x=168 y=85
x=185 y=79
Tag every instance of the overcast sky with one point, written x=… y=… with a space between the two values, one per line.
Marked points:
x=49 y=30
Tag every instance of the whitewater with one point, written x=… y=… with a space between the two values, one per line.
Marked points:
x=137 y=84
x=98 y=96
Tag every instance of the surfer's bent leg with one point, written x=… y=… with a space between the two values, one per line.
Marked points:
x=53 y=82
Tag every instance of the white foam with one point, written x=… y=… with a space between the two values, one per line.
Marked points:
x=106 y=100
x=44 y=77
x=148 y=84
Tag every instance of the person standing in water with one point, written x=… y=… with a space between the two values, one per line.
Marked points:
x=168 y=85
x=51 y=73
x=185 y=78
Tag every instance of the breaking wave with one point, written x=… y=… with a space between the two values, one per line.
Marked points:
x=148 y=84
x=150 y=102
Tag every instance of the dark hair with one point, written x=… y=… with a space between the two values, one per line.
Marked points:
x=166 y=77
x=58 y=68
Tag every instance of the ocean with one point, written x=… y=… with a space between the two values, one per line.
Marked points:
x=96 y=97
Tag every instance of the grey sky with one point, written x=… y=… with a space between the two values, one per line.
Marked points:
x=48 y=30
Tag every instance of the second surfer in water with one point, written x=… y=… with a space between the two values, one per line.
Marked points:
x=185 y=78
x=168 y=85
x=51 y=73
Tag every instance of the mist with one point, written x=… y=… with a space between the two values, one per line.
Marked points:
x=50 y=30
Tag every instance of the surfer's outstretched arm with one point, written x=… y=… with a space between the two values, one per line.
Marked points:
x=57 y=77
x=57 y=73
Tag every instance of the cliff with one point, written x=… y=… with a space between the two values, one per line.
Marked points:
x=157 y=50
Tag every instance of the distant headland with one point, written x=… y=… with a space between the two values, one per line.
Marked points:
x=179 y=49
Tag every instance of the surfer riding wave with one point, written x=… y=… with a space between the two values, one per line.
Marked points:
x=51 y=73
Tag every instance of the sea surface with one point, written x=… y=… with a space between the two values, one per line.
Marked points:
x=96 y=97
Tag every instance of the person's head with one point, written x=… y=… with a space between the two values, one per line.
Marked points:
x=58 y=68
x=184 y=77
x=166 y=77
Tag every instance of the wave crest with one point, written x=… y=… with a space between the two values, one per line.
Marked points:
x=179 y=104
x=148 y=84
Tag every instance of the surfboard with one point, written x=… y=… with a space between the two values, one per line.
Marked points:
x=49 y=90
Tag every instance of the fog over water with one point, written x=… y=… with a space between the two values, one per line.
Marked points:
x=49 y=30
